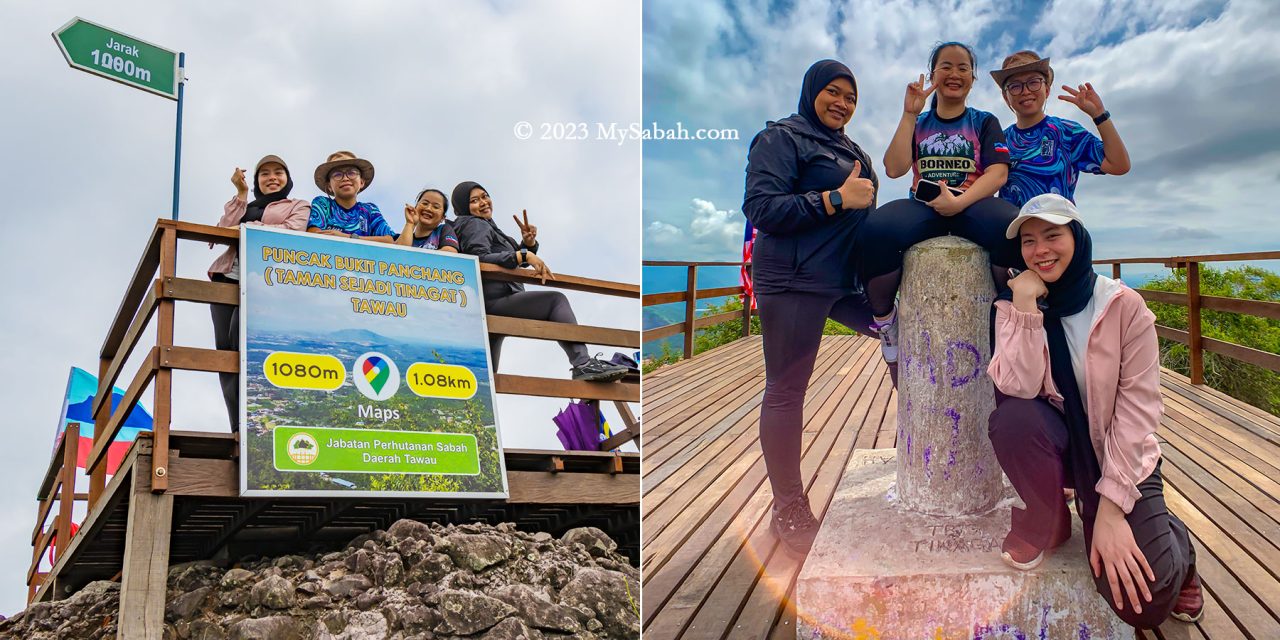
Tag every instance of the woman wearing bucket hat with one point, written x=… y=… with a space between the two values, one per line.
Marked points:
x=1048 y=153
x=343 y=176
x=809 y=189
x=271 y=207
x=1077 y=368
x=950 y=146
x=479 y=236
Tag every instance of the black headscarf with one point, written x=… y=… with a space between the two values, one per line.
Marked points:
x=461 y=197
x=253 y=213
x=1067 y=296
x=462 y=207
x=819 y=75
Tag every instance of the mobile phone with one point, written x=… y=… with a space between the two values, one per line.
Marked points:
x=927 y=190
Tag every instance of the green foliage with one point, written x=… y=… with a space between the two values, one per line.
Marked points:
x=1248 y=383
x=723 y=333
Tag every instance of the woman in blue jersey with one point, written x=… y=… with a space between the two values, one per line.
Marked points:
x=952 y=145
x=1047 y=154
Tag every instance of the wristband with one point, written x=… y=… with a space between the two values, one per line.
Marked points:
x=1102 y=117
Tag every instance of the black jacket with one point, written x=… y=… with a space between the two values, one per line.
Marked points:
x=798 y=246
x=481 y=237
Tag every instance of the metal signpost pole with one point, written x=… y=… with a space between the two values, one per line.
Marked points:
x=177 y=142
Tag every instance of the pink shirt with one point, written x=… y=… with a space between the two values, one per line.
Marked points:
x=1122 y=380
x=282 y=214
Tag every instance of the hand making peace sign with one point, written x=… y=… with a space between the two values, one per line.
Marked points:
x=528 y=232
x=916 y=95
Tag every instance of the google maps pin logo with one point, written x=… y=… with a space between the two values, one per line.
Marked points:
x=376 y=376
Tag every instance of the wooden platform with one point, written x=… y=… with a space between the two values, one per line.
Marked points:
x=550 y=491
x=713 y=570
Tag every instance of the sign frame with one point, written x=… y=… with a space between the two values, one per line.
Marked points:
x=243 y=465
x=177 y=73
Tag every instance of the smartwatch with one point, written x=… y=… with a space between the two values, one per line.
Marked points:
x=524 y=257
x=837 y=202
x=1102 y=117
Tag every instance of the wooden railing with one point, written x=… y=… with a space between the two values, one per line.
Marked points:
x=690 y=297
x=1195 y=303
x=151 y=295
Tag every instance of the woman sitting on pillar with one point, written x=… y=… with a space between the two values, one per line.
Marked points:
x=960 y=161
x=1078 y=370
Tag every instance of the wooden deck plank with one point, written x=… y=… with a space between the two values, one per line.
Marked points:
x=715 y=570
x=698 y=466
x=749 y=525
x=725 y=528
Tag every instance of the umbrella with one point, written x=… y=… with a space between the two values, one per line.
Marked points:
x=579 y=426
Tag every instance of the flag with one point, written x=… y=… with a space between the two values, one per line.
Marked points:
x=748 y=245
x=77 y=407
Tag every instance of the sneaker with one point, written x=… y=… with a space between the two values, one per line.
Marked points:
x=1023 y=556
x=1189 y=607
x=794 y=526
x=1020 y=554
x=597 y=370
x=888 y=332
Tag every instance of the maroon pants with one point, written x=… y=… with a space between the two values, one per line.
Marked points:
x=1030 y=440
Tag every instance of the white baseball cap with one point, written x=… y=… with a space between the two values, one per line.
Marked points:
x=1049 y=207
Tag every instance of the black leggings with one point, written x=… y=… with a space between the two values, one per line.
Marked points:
x=226 y=337
x=892 y=229
x=1030 y=440
x=792 y=325
x=535 y=305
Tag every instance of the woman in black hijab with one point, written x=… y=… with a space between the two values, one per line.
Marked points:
x=480 y=236
x=809 y=187
x=271 y=207
x=1077 y=368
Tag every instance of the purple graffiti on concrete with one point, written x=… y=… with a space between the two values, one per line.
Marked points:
x=955 y=422
x=958 y=381
x=1084 y=633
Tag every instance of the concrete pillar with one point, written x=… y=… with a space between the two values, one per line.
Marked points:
x=946 y=465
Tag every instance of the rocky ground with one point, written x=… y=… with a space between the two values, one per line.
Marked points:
x=411 y=582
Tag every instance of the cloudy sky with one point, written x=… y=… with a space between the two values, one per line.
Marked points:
x=1191 y=86
x=430 y=92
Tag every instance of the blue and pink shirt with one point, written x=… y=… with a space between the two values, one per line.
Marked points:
x=364 y=219
x=1048 y=158
x=956 y=150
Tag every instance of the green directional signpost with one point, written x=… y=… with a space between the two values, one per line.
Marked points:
x=137 y=63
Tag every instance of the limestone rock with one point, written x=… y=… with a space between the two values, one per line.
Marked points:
x=611 y=595
x=466 y=612
x=597 y=542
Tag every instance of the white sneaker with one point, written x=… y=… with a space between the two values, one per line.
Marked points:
x=888 y=337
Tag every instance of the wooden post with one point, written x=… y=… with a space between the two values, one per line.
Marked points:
x=146 y=560
x=67 y=497
x=690 y=309
x=1195 y=343
x=746 y=306
x=162 y=405
x=1115 y=270
x=98 y=474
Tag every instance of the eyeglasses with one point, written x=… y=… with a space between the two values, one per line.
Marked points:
x=1016 y=88
x=349 y=172
x=479 y=199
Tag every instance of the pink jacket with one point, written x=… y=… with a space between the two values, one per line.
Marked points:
x=284 y=214
x=1122 y=381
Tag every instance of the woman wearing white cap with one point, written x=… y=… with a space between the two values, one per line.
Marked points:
x=271 y=207
x=1078 y=372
